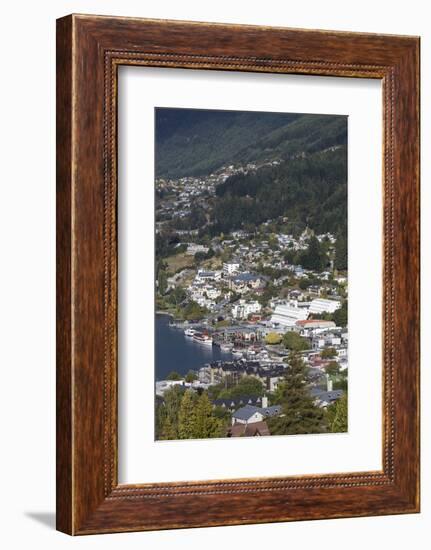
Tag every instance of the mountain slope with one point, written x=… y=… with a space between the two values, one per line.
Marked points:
x=192 y=142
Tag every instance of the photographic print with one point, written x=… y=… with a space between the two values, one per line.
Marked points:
x=251 y=274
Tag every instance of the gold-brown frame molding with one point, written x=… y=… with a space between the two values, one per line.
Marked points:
x=89 y=51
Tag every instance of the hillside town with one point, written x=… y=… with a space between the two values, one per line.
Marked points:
x=251 y=274
x=262 y=294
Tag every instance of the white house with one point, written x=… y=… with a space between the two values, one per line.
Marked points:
x=242 y=309
x=251 y=414
x=247 y=415
x=231 y=267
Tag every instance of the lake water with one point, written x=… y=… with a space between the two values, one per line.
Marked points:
x=174 y=351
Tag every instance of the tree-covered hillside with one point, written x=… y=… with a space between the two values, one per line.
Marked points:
x=309 y=191
x=192 y=142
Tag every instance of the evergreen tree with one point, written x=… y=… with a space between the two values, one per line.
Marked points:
x=206 y=424
x=341 y=252
x=170 y=431
x=162 y=282
x=314 y=257
x=191 y=376
x=160 y=419
x=187 y=416
x=300 y=415
x=333 y=368
x=169 y=413
x=339 y=423
x=340 y=315
x=176 y=296
x=246 y=386
x=173 y=375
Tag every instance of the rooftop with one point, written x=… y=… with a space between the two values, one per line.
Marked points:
x=244 y=413
x=249 y=410
x=249 y=430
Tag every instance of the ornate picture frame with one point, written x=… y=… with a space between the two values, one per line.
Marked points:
x=89 y=51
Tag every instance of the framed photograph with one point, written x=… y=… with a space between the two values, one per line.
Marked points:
x=237 y=274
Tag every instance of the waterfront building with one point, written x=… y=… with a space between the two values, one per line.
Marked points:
x=322 y=305
x=287 y=315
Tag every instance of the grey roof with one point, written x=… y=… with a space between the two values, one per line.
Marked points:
x=274 y=410
x=314 y=392
x=327 y=396
x=206 y=273
x=236 y=401
x=246 y=277
x=249 y=410
x=244 y=413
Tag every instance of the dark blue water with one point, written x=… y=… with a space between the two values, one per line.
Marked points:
x=174 y=351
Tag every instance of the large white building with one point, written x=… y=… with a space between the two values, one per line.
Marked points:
x=321 y=305
x=287 y=315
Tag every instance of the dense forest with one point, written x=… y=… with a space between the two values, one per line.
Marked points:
x=310 y=191
x=193 y=142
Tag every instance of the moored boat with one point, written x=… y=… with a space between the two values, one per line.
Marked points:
x=202 y=338
x=190 y=332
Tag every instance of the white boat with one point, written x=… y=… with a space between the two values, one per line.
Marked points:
x=237 y=353
x=202 y=338
x=190 y=332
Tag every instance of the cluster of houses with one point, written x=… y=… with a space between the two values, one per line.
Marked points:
x=180 y=195
x=269 y=374
x=209 y=288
